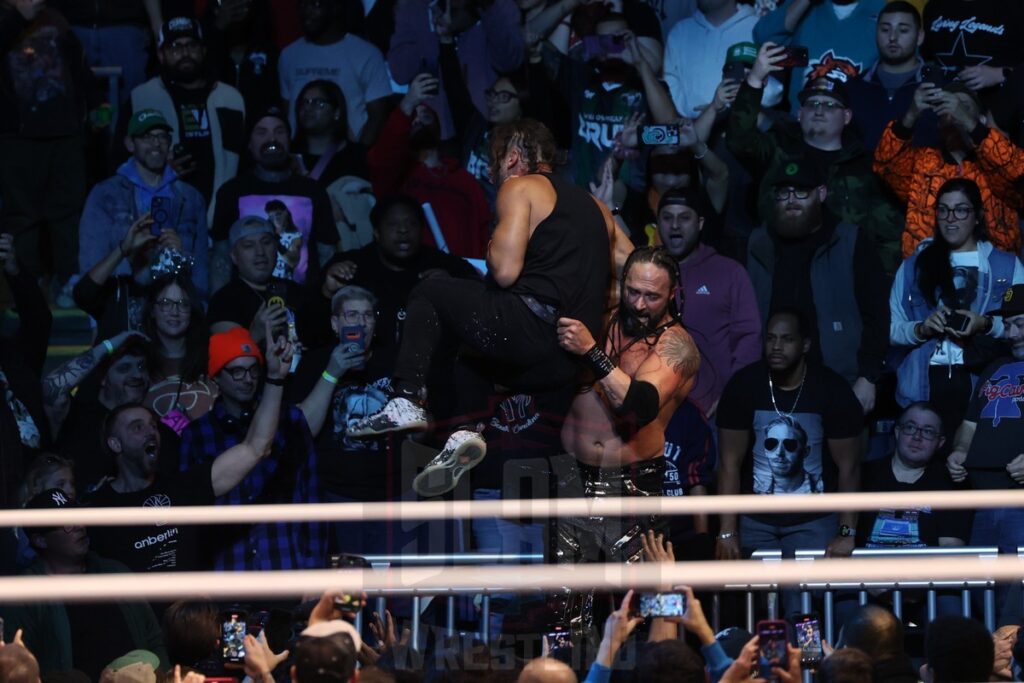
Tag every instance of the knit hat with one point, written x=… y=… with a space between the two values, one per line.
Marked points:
x=798 y=173
x=227 y=346
x=137 y=666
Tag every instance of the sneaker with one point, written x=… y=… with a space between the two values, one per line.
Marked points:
x=462 y=452
x=398 y=415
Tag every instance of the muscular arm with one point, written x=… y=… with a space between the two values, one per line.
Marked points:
x=670 y=370
x=58 y=384
x=507 y=250
x=846 y=455
x=622 y=246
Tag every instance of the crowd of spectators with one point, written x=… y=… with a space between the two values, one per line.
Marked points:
x=246 y=197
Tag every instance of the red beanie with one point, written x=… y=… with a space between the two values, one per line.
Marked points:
x=227 y=346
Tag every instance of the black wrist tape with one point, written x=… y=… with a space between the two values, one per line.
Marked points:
x=599 y=362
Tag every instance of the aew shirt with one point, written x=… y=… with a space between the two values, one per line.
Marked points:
x=996 y=410
x=160 y=547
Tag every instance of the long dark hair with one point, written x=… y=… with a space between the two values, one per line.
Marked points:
x=933 y=271
x=333 y=93
x=657 y=256
x=197 y=337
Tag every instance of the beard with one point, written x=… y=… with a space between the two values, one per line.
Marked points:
x=637 y=325
x=185 y=71
x=425 y=137
x=790 y=226
x=274 y=156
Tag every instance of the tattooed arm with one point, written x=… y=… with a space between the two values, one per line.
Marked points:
x=58 y=384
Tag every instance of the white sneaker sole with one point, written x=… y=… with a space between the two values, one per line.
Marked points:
x=441 y=478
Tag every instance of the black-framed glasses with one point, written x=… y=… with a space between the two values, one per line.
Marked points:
x=165 y=304
x=156 y=137
x=357 y=317
x=499 y=96
x=959 y=212
x=910 y=429
x=240 y=373
x=315 y=102
x=784 y=193
x=790 y=445
x=817 y=105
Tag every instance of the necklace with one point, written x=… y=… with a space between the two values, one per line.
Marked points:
x=771 y=388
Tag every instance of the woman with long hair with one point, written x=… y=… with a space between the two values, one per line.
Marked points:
x=939 y=304
x=176 y=325
x=321 y=135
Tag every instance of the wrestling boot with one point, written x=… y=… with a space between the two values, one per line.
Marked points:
x=397 y=415
x=461 y=453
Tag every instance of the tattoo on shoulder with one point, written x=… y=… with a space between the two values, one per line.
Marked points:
x=679 y=352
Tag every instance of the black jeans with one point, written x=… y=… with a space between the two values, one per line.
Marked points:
x=503 y=342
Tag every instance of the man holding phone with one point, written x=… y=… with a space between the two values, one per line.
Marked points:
x=144 y=184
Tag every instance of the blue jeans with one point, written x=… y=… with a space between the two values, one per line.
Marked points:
x=1003 y=528
x=496 y=535
x=123 y=46
x=812 y=535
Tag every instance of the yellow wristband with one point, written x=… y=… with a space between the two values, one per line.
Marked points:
x=329 y=377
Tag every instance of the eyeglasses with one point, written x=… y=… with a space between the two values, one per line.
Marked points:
x=790 y=445
x=315 y=102
x=240 y=373
x=355 y=317
x=817 y=105
x=173 y=304
x=155 y=138
x=784 y=193
x=910 y=429
x=499 y=96
x=960 y=211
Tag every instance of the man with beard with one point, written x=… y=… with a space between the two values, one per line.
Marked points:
x=144 y=183
x=715 y=299
x=329 y=51
x=884 y=91
x=206 y=116
x=130 y=433
x=615 y=429
x=821 y=136
x=969 y=148
x=550 y=257
x=287 y=476
x=826 y=269
x=787 y=425
x=273 y=178
x=120 y=365
x=407 y=159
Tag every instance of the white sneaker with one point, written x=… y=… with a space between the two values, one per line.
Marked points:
x=462 y=452
x=397 y=415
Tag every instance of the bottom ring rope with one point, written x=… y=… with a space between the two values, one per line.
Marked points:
x=516 y=578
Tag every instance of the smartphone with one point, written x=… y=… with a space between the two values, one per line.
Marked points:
x=348 y=561
x=277 y=293
x=735 y=71
x=660 y=135
x=232 y=636
x=354 y=335
x=662 y=604
x=613 y=44
x=349 y=602
x=794 y=56
x=808 y=639
x=958 y=322
x=559 y=640
x=426 y=68
x=596 y=47
x=159 y=210
x=772 y=635
x=935 y=74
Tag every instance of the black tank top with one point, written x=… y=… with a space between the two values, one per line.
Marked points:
x=568 y=256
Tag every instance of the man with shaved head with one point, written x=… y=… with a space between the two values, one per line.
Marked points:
x=877 y=632
x=546 y=670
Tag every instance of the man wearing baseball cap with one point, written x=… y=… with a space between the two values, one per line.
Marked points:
x=819 y=134
x=288 y=475
x=143 y=186
x=988 y=449
x=809 y=259
x=205 y=116
x=68 y=636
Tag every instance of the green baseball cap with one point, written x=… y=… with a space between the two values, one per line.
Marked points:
x=744 y=53
x=146 y=120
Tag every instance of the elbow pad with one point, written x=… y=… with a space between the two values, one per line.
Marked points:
x=641 y=402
